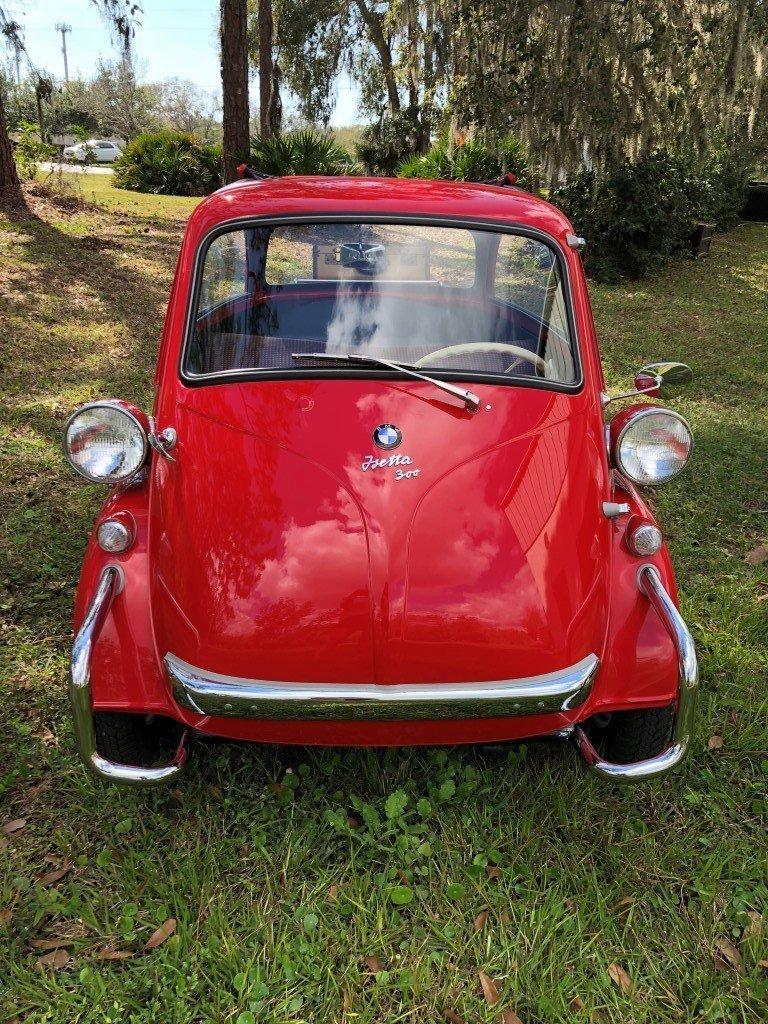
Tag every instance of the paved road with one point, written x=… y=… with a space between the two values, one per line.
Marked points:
x=77 y=168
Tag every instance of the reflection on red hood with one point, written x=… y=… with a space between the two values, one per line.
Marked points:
x=277 y=556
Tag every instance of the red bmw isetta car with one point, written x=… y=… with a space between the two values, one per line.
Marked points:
x=376 y=502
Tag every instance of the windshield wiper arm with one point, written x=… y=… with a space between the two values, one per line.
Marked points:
x=469 y=398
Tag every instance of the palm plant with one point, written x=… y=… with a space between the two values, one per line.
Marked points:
x=470 y=161
x=301 y=152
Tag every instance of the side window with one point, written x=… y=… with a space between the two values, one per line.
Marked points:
x=527 y=277
x=225 y=273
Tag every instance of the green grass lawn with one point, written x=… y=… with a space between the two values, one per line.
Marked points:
x=368 y=886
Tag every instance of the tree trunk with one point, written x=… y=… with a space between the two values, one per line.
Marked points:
x=372 y=22
x=234 y=84
x=40 y=118
x=11 y=196
x=414 y=76
x=275 y=102
x=267 y=107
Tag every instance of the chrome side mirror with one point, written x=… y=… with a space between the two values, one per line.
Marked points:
x=668 y=374
x=653 y=378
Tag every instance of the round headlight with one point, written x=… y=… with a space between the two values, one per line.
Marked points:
x=653 y=446
x=105 y=442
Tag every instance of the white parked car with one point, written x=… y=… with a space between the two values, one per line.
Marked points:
x=100 y=151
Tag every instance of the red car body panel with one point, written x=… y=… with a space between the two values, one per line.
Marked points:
x=266 y=551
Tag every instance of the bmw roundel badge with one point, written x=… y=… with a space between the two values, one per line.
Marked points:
x=387 y=436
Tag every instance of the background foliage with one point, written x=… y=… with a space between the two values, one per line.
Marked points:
x=300 y=152
x=469 y=160
x=169 y=163
x=637 y=214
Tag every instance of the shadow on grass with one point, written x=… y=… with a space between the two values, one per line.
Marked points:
x=85 y=272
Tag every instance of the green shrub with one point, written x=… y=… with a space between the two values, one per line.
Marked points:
x=725 y=179
x=470 y=161
x=31 y=150
x=301 y=152
x=637 y=215
x=384 y=146
x=169 y=163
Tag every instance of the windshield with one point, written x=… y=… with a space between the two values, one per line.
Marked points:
x=454 y=300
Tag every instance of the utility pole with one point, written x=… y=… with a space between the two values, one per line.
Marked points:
x=64 y=28
x=17 y=49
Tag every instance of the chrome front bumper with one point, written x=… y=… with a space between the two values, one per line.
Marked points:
x=208 y=693
x=211 y=694
x=110 y=585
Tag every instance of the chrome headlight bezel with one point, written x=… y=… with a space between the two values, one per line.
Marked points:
x=628 y=420
x=140 y=424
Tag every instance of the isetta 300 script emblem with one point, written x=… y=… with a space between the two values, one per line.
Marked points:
x=388 y=436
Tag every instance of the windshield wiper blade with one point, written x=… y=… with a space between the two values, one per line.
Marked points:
x=469 y=398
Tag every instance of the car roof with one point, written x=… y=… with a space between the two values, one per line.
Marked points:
x=373 y=197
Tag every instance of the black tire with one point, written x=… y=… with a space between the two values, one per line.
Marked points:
x=139 y=740
x=635 y=735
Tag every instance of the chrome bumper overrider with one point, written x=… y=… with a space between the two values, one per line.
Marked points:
x=650 y=584
x=208 y=693
x=110 y=585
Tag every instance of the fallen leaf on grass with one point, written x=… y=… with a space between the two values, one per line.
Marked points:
x=620 y=977
x=333 y=892
x=113 y=954
x=576 y=1004
x=490 y=992
x=14 y=826
x=622 y=907
x=715 y=742
x=755 y=925
x=373 y=964
x=492 y=872
x=510 y=1017
x=480 y=920
x=55 y=876
x=763 y=964
x=166 y=929
x=57 y=959
x=453 y=1017
x=727 y=954
x=69 y=930
x=6 y=915
x=757 y=555
x=51 y=943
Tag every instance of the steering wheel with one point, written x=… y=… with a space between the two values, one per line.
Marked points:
x=484 y=346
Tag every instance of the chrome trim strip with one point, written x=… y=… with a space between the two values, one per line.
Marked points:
x=210 y=693
x=109 y=586
x=649 y=583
